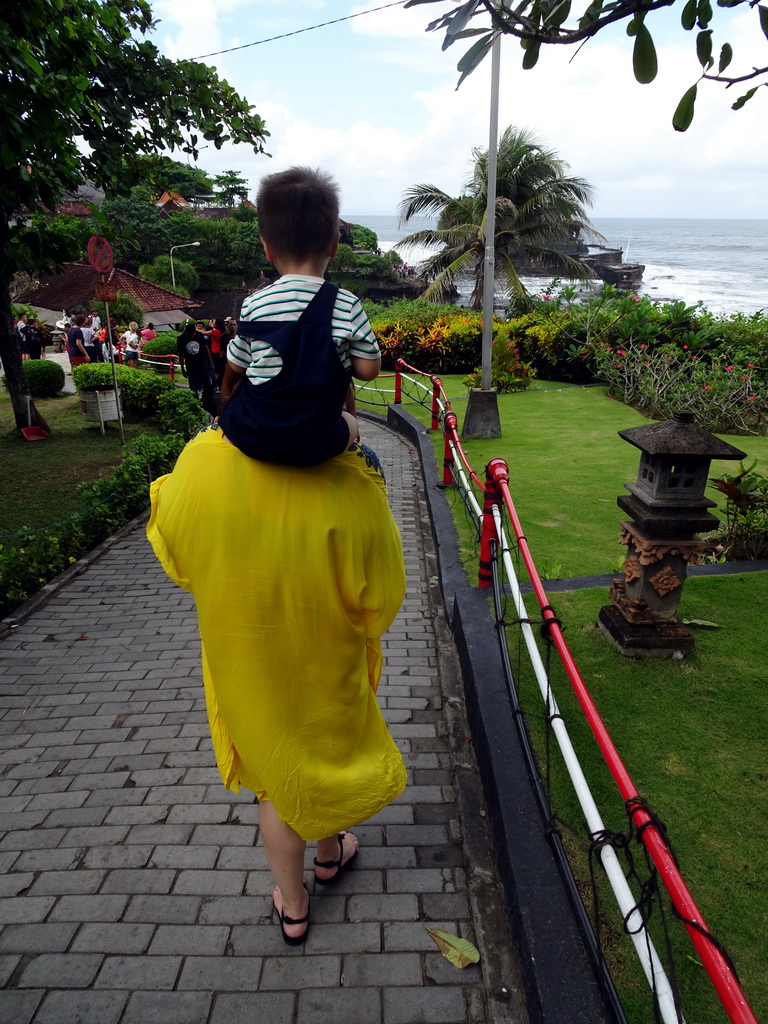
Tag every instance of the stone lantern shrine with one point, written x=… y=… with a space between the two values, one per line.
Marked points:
x=667 y=508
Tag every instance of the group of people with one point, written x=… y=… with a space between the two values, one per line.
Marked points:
x=310 y=566
x=88 y=342
x=202 y=350
x=32 y=339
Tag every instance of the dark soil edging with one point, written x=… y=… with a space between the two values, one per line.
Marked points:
x=557 y=976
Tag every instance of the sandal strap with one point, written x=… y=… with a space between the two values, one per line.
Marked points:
x=328 y=864
x=294 y=920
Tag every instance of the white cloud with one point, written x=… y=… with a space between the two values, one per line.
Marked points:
x=374 y=101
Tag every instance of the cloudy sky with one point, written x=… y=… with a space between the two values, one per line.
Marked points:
x=373 y=99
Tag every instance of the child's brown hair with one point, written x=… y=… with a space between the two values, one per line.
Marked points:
x=298 y=212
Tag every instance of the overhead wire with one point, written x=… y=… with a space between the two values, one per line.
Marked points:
x=298 y=31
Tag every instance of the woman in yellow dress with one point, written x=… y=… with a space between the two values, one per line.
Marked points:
x=296 y=574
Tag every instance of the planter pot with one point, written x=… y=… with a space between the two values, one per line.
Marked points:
x=98 y=405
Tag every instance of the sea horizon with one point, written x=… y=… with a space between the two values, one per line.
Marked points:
x=721 y=262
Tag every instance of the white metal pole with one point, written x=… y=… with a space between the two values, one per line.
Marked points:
x=489 y=263
x=112 y=353
x=173 y=276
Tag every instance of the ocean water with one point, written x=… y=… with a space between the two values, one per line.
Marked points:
x=722 y=263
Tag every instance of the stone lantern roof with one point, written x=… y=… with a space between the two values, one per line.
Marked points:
x=680 y=437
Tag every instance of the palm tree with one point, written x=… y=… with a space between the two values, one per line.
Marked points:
x=539 y=210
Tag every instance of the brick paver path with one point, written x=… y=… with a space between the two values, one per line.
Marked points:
x=133 y=886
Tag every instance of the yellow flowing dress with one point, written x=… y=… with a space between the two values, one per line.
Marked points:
x=296 y=574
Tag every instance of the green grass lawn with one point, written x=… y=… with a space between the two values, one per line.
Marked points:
x=693 y=734
x=40 y=478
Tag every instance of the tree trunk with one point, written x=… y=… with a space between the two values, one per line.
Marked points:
x=24 y=410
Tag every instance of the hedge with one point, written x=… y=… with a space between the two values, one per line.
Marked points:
x=45 y=378
x=38 y=556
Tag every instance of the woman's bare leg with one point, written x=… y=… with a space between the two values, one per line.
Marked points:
x=285 y=853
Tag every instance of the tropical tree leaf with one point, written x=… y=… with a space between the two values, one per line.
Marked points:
x=688 y=17
x=763 y=15
x=704 y=13
x=460 y=952
x=531 y=55
x=645 y=63
x=683 y=115
x=745 y=98
x=704 y=48
x=726 y=56
x=474 y=56
x=461 y=18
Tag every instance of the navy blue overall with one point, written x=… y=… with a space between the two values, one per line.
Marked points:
x=293 y=418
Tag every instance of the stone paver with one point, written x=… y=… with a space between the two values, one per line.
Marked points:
x=134 y=887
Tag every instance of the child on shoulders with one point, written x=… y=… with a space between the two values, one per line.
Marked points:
x=300 y=340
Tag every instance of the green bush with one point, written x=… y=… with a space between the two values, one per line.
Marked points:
x=180 y=412
x=45 y=378
x=124 y=309
x=140 y=389
x=435 y=342
x=159 y=349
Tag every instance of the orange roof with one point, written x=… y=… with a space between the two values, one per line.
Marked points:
x=171 y=197
x=76 y=286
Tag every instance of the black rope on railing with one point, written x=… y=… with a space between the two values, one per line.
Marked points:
x=549 y=820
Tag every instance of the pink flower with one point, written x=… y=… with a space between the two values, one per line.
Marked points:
x=643 y=346
x=752 y=398
x=743 y=378
x=602 y=344
x=706 y=387
x=685 y=346
x=749 y=366
x=729 y=367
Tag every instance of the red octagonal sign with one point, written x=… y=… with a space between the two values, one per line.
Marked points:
x=100 y=254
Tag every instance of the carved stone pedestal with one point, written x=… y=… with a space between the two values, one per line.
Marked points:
x=658 y=639
x=643 y=617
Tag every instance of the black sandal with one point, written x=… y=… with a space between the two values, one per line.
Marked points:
x=293 y=940
x=328 y=864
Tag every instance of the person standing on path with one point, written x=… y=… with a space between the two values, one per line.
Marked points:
x=76 y=343
x=311 y=572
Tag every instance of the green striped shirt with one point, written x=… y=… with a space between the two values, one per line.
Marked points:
x=287 y=299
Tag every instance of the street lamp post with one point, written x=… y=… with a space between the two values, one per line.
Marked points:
x=182 y=246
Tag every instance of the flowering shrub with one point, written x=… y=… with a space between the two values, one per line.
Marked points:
x=447 y=342
x=508 y=372
x=722 y=396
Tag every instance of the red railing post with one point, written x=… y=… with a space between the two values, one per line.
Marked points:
x=496 y=470
x=170 y=368
x=451 y=423
x=399 y=381
x=437 y=385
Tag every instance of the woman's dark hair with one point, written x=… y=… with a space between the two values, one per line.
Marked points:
x=298 y=212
